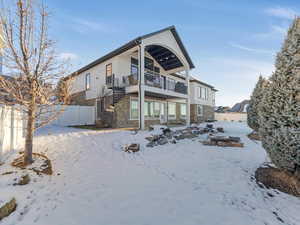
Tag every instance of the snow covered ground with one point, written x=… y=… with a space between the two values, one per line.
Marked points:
x=186 y=183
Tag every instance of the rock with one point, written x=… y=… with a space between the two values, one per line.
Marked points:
x=234 y=139
x=235 y=144
x=179 y=137
x=153 y=138
x=209 y=126
x=8 y=208
x=151 y=144
x=196 y=132
x=23 y=180
x=162 y=141
x=166 y=131
x=8 y=173
x=220 y=129
x=132 y=148
x=173 y=141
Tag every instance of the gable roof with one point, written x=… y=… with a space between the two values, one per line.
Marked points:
x=193 y=79
x=134 y=43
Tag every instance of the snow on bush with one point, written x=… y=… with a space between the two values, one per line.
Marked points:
x=280 y=109
x=253 y=108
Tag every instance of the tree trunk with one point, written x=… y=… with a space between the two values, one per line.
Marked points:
x=29 y=138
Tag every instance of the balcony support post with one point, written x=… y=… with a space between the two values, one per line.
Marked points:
x=141 y=86
x=188 y=108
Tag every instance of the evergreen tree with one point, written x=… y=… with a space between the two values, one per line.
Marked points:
x=255 y=101
x=280 y=108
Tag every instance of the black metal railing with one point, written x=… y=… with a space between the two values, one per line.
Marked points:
x=156 y=80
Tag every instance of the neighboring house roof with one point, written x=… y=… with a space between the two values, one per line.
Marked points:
x=134 y=43
x=193 y=79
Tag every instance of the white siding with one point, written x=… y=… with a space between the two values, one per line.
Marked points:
x=76 y=115
x=12 y=125
x=195 y=99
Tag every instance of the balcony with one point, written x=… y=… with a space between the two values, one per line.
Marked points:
x=157 y=81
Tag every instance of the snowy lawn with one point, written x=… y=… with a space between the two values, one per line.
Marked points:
x=177 y=184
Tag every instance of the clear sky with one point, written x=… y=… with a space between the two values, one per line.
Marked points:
x=230 y=42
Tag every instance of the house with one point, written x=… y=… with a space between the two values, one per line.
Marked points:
x=202 y=100
x=161 y=95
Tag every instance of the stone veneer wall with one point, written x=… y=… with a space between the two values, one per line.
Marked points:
x=80 y=99
x=208 y=113
x=121 y=115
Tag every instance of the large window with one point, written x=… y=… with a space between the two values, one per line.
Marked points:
x=134 y=115
x=171 y=110
x=199 y=92
x=109 y=69
x=134 y=68
x=199 y=110
x=87 y=81
x=156 y=110
x=149 y=64
x=108 y=73
x=182 y=110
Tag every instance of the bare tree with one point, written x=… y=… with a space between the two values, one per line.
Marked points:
x=34 y=68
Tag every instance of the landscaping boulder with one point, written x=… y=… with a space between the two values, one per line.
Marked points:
x=8 y=208
x=132 y=148
x=23 y=180
x=162 y=141
x=210 y=126
x=167 y=131
x=220 y=129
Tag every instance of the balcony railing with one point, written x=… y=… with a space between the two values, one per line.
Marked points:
x=158 y=81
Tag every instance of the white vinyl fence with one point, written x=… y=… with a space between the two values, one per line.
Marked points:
x=12 y=129
x=238 y=117
x=76 y=115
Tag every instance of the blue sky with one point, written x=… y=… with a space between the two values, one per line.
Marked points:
x=230 y=42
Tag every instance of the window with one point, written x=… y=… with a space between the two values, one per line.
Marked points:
x=156 y=109
x=199 y=110
x=199 y=92
x=87 y=81
x=108 y=73
x=134 y=110
x=109 y=69
x=207 y=93
x=171 y=110
x=203 y=93
x=182 y=110
x=149 y=64
x=148 y=111
x=134 y=68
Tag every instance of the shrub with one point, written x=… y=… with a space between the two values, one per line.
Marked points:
x=254 y=104
x=280 y=107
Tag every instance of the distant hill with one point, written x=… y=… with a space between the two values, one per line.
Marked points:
x=240 y=107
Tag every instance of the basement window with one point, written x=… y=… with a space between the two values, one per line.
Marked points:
x=171 y=110
x=182 y=111
x=134 y=115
